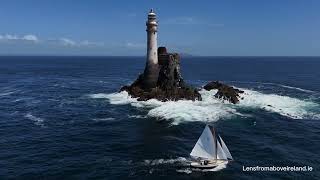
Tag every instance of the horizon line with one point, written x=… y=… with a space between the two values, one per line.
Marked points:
x=186 y=56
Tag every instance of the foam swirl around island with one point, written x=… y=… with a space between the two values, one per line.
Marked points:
x=212 y=109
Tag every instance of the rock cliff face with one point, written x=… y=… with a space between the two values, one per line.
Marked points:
x=224 y=91
x=170 y=84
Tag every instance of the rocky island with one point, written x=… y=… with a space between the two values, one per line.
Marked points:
x=162 y=78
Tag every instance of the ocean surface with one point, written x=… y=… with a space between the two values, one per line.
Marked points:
x=63 y=118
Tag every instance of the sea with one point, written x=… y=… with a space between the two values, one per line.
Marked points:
x=64 y=118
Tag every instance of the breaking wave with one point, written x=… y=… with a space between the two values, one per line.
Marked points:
x=211 y=109
x=283 y=105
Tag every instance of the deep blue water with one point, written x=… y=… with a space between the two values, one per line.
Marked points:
x=59 y=121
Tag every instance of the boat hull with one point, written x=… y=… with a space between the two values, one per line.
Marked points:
x=209 y=165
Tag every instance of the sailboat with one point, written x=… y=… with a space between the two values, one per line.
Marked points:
x=210 y=150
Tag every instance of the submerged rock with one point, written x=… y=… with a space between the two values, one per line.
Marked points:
x=170 y=84
x=224 y=91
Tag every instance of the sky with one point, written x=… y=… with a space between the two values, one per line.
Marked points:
x=203 y=27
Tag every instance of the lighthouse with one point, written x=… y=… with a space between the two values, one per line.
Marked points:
x=151 y=70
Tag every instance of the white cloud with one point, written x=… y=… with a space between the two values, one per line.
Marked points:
x=73 y=43
x=9 y=37
x=89 y=43
x=135 y=45
x=29 y=37
x=67 y=42
x=53 y=41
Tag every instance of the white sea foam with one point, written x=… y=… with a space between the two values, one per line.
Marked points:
x=104 y=119
x=115 y=98
x=155 y=162
x=137 y=116
x=37 y=121
x=187 y=171
x=181 y=162
x=275 y=84
x=284 y=105
x=211 y=109
x=296 y=88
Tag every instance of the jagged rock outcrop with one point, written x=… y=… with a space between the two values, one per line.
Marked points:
x=170 y=84
x=224 y=91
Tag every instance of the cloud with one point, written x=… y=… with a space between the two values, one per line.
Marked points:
x=190 y=21
x=73 y=43
x=29 y=38
x=135 y=45
x=10 y=38
x=67 y=42
x=89 y=43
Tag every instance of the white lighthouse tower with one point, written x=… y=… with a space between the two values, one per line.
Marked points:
x=151 y=70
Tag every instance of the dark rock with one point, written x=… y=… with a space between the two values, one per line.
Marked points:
x=224 y=91
x=169 y=85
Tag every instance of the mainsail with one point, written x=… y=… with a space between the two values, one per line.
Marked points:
x=208 y=146
x=205 y=146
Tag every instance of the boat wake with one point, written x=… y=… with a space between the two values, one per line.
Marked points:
x=190 y=170
x=211 y=109
x=179 y=161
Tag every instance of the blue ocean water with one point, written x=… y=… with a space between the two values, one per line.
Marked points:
x=63 y=118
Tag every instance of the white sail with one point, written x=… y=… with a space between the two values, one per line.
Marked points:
x=205 y=146
x=225 y=149
x=220 y=152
